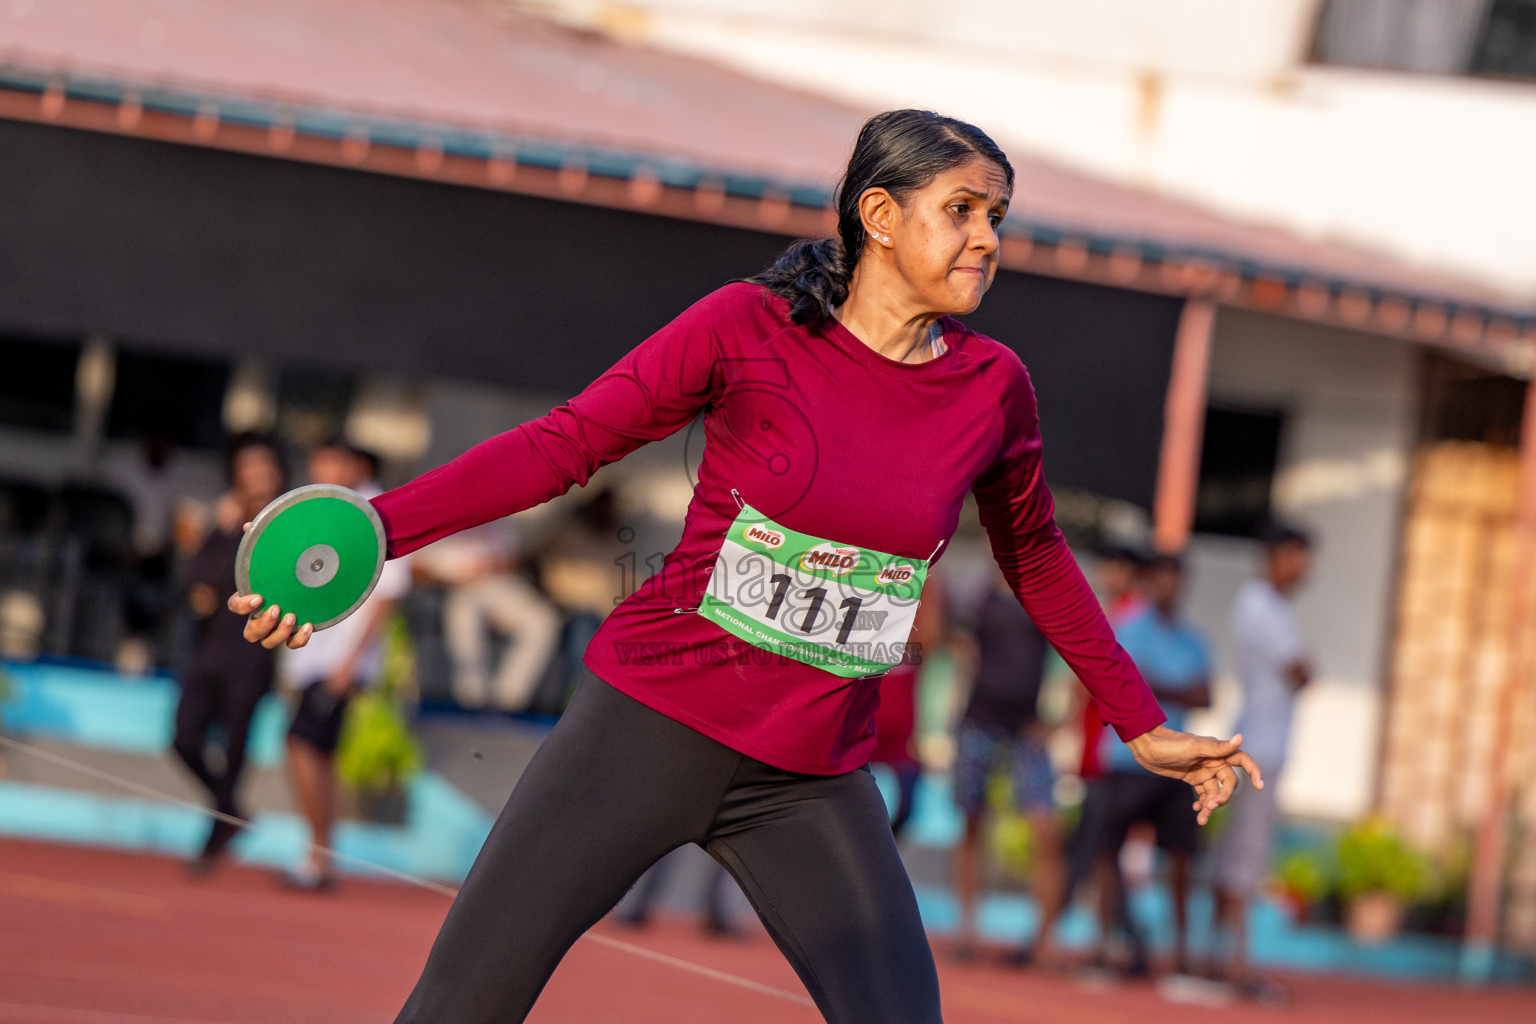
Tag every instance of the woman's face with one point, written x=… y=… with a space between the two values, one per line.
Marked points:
x=257 y=474
x=944 y=237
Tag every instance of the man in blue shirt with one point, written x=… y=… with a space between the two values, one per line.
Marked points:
x=1175 y=659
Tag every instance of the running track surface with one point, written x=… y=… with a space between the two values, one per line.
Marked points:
x=98 y=937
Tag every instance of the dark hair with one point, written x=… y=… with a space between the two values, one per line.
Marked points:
x=900 y=151
x=1122 y=553
x=339 y=442
x=1165 y=560
x=1277 y=535
x=250 y=439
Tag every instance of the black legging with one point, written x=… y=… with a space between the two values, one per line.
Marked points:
x=616 y=786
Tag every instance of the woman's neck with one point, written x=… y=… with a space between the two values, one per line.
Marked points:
x=878 y=318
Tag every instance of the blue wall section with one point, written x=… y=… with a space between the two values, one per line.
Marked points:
x=96 y=708
x=444 y=829
x=90 y=707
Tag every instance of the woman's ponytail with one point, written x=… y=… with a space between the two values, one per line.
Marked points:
x=812 y=276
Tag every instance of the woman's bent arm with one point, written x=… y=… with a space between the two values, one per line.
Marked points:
x=1016 y=508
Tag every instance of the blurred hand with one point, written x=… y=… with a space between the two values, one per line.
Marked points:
x=203 y=599
x=227 y=511
x=1204 y=762
x=339 y=683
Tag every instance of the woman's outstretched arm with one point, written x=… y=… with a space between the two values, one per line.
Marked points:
x=657 y=388
x=1016 y=508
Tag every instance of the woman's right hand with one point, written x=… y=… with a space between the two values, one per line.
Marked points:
x=271 y=627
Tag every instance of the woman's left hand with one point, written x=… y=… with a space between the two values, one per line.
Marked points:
x=1204 y=762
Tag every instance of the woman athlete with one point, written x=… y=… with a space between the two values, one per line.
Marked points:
x=847 y=413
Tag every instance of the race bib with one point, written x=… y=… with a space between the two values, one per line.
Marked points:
x=842 y=608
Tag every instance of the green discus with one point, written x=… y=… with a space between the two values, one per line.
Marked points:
x=317 y=552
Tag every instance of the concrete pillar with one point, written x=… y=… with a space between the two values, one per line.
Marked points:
x=1178 y=469
x=1484 y=896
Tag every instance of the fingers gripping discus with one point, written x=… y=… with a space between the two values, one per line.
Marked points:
x=317 y=552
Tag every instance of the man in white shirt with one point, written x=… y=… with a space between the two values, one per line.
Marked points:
x=333 y=665
x=1272 y=665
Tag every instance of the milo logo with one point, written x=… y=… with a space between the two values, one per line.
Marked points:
x=894 y=574
x=829 y=558
x=769 y=539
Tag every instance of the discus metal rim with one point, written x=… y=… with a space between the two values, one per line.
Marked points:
x=283 y=503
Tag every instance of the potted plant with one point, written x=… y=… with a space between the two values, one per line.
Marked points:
x=1378 y=874
x=1010 y=840
x=377 y=754
x=1302 y=879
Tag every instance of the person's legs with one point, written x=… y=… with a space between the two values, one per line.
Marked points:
x=244 y=687
x=312 y=739
x=613 y=788
x=968 y=884
x=638 y=913
x=514 y=607
x=1179 y=884
x=1125 y=804
x=975 y=749
x=1178 y=834
x=464 y=634
x=1034 y=783
x=908 y=774
x=241 y=688
x=194 y=712
x=1243 y=858
x=816 y=857
x=313 y=779
x=717 y=919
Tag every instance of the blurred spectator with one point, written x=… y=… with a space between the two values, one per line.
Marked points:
x=586 y=566
x=1120 y=589
x=1000 y=725
x=716 y=921
x=1270 y=656
x=1120 y=572
x=154 y=488
x=225 y=677
x=485 y=592
x=1174 y=657
x=334 y=664
x=896 y=717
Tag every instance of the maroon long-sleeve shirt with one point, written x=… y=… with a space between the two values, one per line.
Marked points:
x=827 y=437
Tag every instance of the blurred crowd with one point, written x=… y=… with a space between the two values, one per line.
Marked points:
x=1098 y=824
x=498 y=624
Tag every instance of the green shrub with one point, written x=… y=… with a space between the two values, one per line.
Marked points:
x=1306 y=874
x=1372 y=857
x=1010 y=841
x=377 y=751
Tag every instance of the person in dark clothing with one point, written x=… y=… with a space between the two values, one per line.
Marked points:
x=716 y=919
x=1000 y=724
x=225 y=677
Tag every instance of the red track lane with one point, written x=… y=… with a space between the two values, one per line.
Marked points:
x=89 y=936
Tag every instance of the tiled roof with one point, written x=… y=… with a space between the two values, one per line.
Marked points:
x=468 y=82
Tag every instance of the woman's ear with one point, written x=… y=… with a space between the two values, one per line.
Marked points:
x=877 y=209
